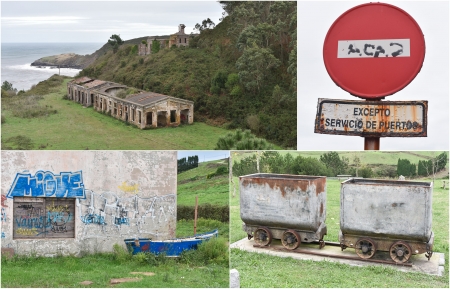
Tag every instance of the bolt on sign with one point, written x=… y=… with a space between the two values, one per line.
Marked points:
x=372 y=118
x=372 y=51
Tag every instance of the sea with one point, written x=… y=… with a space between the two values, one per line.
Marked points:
x=17 y=58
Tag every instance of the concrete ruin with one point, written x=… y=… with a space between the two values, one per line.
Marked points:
x=178 y=39
x=143 y=109
x=73 y=202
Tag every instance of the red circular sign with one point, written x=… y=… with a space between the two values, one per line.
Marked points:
x=374 y=50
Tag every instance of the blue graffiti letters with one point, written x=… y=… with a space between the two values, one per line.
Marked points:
x=47 y=184
x=93 y=219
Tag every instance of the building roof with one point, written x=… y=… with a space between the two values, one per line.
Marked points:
x=146 y=97
x=94 y=83
x=83 y=79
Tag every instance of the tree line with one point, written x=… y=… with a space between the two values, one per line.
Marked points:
x=187 y=164
x=330 y=164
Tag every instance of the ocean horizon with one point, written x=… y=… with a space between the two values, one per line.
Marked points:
x=17 y=58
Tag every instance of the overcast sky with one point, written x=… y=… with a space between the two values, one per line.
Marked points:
x=204 y=156
x=96 y=21
x=432 y=83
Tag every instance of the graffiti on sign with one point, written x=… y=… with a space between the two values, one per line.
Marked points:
x=47 y=184
x=373 y=48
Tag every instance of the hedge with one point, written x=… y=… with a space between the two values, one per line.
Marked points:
x=206 y=211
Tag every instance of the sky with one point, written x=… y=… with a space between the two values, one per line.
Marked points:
x=205 y=156
x=432 y=83
x=96 y=21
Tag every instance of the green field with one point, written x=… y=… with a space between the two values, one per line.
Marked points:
x=75 y=127
x=194 y=182
x=260 y=270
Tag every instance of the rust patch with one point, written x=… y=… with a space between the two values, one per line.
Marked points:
x=277 y=183
x=321 y=209
x=320 y=185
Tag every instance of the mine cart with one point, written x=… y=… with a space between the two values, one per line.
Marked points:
x=391 y=216
x=287 y=207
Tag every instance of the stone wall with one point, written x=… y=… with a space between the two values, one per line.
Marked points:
x=93 y=199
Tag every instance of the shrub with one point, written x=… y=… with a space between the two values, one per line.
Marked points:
x=121 y=254
x=19 y=142
x=206 y=211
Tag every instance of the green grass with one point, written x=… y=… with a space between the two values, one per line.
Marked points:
x=63 y=272
x=74 y=127
x=287 y=272
x=194 y=182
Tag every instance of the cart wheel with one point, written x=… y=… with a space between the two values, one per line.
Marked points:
x=365 y=248
x=290 y=239
x=262 y=236
x=400 y=252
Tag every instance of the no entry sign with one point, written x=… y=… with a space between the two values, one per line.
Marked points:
x=372 y=118
x=374 y=50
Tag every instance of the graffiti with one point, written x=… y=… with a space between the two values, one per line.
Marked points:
x=3 y=201
x=27 y=232
x=123 y=214
x=59 y=228
x=93 y=219
x=59 y=208
x=3 y=215
x=129 y=188
x=47 y=184
x=3 y=235
x=44 y=218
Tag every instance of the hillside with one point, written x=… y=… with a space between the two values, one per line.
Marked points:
x=240 y=74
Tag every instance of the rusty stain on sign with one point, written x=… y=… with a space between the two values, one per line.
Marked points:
x=372 y=118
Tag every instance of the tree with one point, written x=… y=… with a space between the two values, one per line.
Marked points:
x=334 y=162
x=115 y=41
x=254 y=66
x=156 y=46
x=206 y=24
x=242 y=140
x=356 y=163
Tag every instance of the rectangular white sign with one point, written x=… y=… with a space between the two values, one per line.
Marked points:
x=372 y=118
x=373 y=48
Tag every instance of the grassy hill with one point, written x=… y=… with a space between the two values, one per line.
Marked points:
x=239 y=75
x=43 y=119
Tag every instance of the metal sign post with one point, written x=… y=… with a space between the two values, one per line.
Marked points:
x=372 y=51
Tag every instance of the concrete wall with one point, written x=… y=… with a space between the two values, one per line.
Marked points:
x=115 y=194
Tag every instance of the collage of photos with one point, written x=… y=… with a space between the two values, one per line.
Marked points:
x=175 y=144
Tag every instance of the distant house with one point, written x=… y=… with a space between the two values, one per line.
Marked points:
x=143 y=109
x=178 y=39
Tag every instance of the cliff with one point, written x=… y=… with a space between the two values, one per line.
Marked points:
x=72 y=60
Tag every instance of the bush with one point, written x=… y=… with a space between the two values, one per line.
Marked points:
x=19 y=142
x=213 y=251
x=121 y=254
x=206 y=211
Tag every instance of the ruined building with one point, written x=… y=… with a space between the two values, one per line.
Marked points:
x=178 y=39
x=74 y=202
x=143 y=109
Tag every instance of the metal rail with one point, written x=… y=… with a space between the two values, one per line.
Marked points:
x=299 y=251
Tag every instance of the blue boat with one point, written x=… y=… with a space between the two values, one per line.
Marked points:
x=171 y=247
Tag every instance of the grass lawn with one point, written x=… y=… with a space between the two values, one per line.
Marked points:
x=260 y=270
x=75 y=127
x=194 y=182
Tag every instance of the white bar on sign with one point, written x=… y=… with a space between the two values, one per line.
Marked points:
x=373 y=48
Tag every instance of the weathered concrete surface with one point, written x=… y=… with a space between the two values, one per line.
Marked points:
x=125 y=194
x=234 y=279
x=420 y=262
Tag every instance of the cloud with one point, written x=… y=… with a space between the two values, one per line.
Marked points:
x=40 y=20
